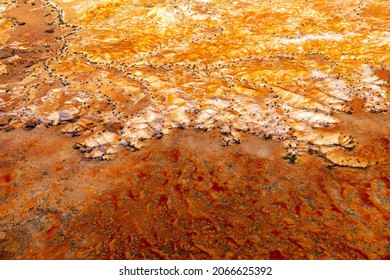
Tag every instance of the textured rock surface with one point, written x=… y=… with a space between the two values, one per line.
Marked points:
x=120 y=73
x=303 y=86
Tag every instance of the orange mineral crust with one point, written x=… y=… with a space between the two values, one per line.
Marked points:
x=186 y=197
x=194 y=129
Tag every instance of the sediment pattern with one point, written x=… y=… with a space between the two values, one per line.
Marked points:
x=115 y=73
x=293 y=81
x=185 y=197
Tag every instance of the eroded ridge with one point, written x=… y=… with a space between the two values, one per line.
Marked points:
x=117 y=74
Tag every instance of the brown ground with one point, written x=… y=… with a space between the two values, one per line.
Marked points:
x=186 y=197
x=106 y=73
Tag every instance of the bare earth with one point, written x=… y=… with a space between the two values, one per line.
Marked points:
x=159 y=129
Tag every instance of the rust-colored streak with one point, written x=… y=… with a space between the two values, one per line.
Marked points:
x=161 y=204
x=158 y=129
x=7 y=178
